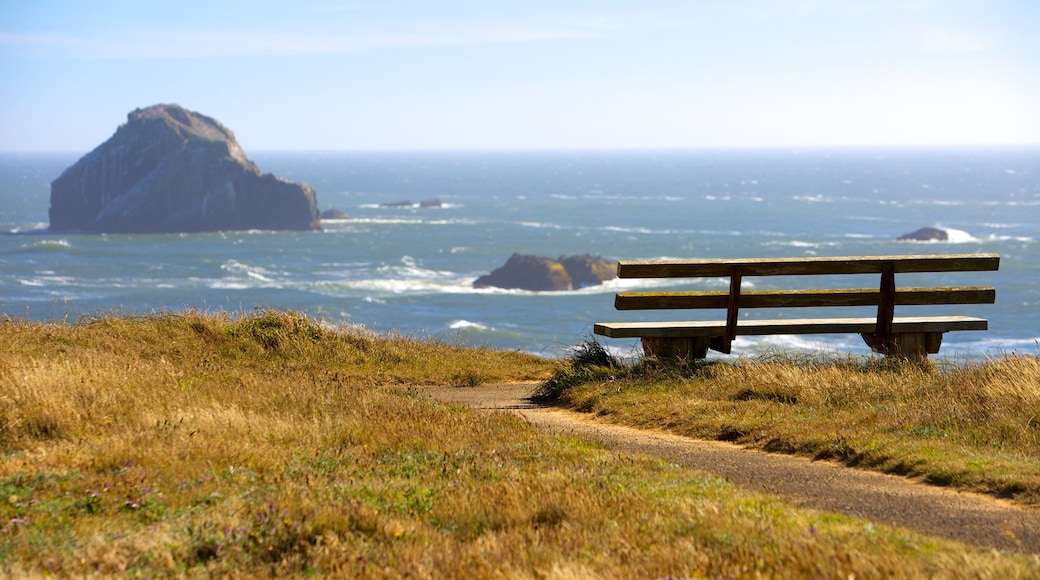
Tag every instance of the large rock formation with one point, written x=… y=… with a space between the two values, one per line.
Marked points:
x=525 y=272
x=926 y=235
x=172 y=170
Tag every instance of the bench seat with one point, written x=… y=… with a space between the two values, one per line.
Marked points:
x=911 y=336
x=710 y=328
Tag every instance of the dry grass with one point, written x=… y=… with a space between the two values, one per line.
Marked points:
x=973 y=426
x=198 y=445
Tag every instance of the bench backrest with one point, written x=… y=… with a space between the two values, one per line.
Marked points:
x=886 y=296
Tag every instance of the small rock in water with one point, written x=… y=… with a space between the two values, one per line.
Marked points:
x=926 y=235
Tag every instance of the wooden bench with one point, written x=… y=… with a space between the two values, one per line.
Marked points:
x=909 y=337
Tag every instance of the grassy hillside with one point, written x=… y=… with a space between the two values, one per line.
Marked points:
x=267 y=445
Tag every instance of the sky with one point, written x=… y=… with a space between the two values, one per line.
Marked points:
x=316 y=75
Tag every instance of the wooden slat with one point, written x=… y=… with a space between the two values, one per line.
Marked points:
x=787 y=326
x=807 y=266
x=804 y=298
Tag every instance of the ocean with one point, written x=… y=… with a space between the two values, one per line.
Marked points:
x=409 y=269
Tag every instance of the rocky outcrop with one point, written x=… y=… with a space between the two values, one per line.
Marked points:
x=334 y=214
x=588 y=270
x=926 y=235
x=525 y=272
x=168 y=169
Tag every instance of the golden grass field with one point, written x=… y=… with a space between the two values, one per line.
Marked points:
x=266 y=445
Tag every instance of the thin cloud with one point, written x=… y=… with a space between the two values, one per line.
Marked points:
x=208 y=44
x=33 y=40
x=935 y=39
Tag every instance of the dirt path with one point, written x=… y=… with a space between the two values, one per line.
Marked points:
x=966 y=517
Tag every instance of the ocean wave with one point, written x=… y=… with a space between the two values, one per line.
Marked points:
x=819 y=198
x=59 y=245
x=642 y=230
x=794 y=244
x=336 y=226
x=958 y=236
x=414 y=205
x=30 y=229
x=258 y=273
x=541 y=225
x=467 y=325
x=995 y=238
x=621 y=197
x=372 y=289
x=379 y=221
x=1001 y=226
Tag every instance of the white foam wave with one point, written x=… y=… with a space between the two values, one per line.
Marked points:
x=619 y=197
x=639 y=230
x=1000 y=226
x=812 y=198
x=541 y=225
x=374 y=288
x=38 y=227
x=793 y=244
x=48 y=279
x=467 y=325
x=252 y=272
x=412 y=205
x=43 y=245
x=385 y=221
x=958 y=236
x=996 y=238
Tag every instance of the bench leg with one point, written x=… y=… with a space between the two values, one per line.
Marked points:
x=679 y=349
x=909 y=345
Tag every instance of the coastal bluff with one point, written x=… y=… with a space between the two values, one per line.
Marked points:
x=168 y=169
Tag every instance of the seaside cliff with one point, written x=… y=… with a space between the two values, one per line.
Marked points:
x=168 y=169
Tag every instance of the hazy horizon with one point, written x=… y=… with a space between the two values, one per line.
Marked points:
x=404 y=75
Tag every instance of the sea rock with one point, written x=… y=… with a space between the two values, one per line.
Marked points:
x=536 y=273
x=168 y=169
x=334 y=214
x=434 y=202
x=588 y=270
x=926 y=235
